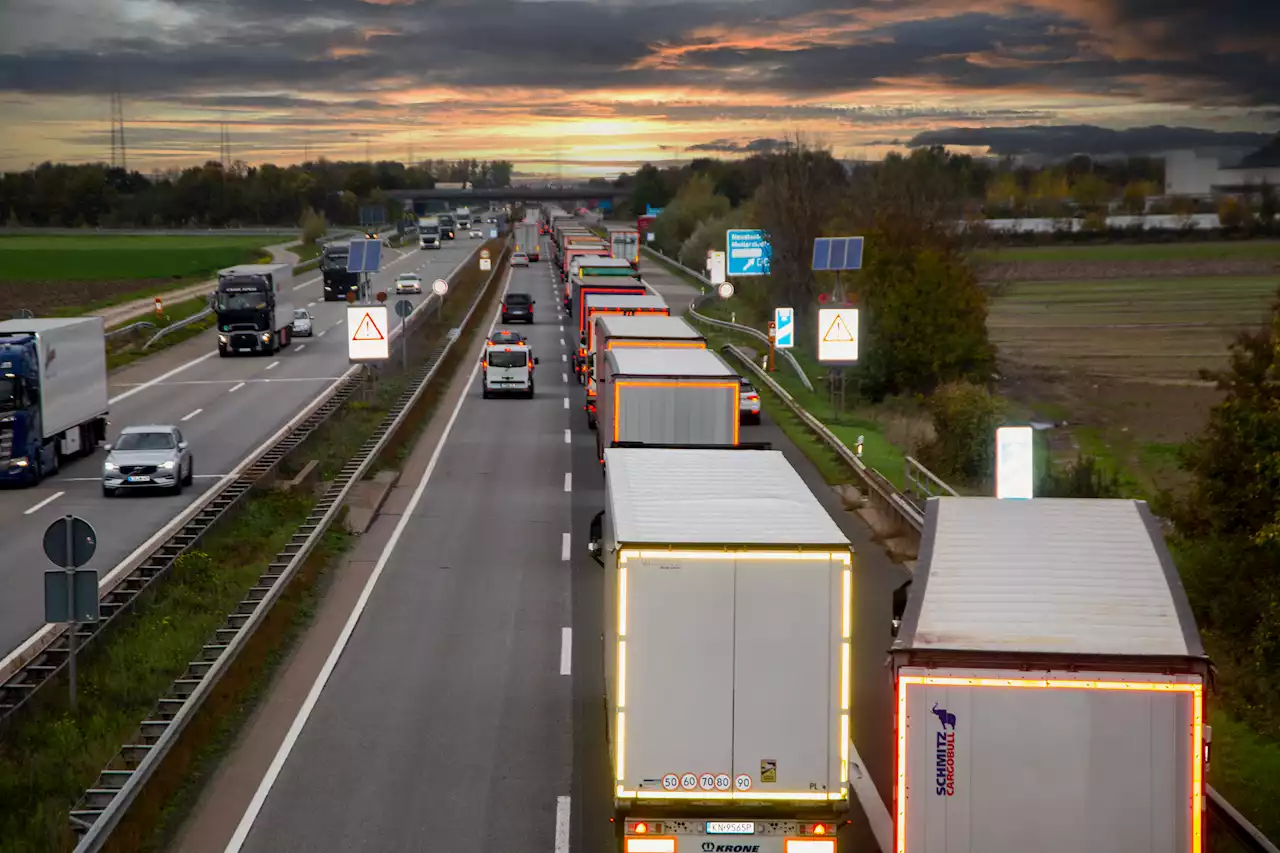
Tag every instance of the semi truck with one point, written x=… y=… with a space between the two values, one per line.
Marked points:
x=254 y=307
x=625 y=244
x=448 y=226
x=527 y=240
x=627 y=304
x=589 y=246
x=333 y=270
x=462 y=216
x=728 y=607
x=582 y=267
x=429 y=232
x=666 y=397
x=53 y=394
x=1049 y=682
x=614 y=331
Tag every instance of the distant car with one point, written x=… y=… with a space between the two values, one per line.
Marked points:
x=492 y=220
x=519 y=259
x=149 y=457
x=476 y=234
x=748 y=404
x=408 y=282
x=301 y=323
x=506 y=336
x=517 y=306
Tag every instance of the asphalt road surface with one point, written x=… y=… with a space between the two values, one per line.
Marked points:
x=445 y=723
x=225 y=407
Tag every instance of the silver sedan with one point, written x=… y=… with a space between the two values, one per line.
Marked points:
x=147 y=457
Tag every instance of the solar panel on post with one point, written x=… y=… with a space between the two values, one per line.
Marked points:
x=365 y=256
x=832 y=254
x=822 y=254
x=838 y=245
x=355 y=256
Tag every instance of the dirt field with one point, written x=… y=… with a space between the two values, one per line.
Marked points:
x=1117 y=361
x=1064 y=262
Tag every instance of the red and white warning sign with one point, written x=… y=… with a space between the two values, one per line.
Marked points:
x=838 y=334
x=367 y=333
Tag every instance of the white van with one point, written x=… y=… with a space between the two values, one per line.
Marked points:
x=507 y=368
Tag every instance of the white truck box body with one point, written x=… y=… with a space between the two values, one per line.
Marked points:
x=527 y=238
x=621 y=304
x=727 y=601
x=73 y=369
x=667 y=396
x=281 y=285
x=617 y=330
x=1050 y=683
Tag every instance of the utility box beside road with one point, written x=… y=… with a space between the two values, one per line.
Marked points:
x=728 y=617
x=1050 y=684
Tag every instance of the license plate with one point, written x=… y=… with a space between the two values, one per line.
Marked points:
x=244 y=349
x=139 y=479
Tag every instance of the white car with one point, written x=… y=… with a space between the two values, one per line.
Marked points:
x=301 y=323
x=408 y=283
x=476 y=234
x=519 y=259
x=748 y=404
x=147 y=457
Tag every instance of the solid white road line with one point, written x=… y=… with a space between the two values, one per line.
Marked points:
x=566 y=650
x=304 y=713
x=99 y=479
x=568 y=481
x=162 y=377
x=568 y=437
x=44 y=503
x=191 y=415
x=306 y=283
x=271 y=365
x=235 y=388
x=562 y=825
x=565 y=542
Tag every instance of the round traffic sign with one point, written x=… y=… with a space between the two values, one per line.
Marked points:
x=382 y=296
x=484 y=253
x=689 y=781
x=725 y=290
x=707 y=781
x=743 y=782
x=722 y=782
x=70 y=549
x=670 y=781
x=351 y=296
x=404 y=308
x=439 y=287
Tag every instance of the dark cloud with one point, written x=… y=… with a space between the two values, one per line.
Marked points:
x=729 y=146
x=1067 y=140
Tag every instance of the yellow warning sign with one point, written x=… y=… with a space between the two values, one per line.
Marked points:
x=768 y=770
x=838 y=335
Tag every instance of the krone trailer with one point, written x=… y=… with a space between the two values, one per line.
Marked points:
x=625 y=244
x=53 y=394
x=1050 y=684
x=728 y=630
x=650 y=331
x=625 y=304
x=666 y=397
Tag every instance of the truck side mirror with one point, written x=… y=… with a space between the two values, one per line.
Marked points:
x=597 y=534
x=901 y=596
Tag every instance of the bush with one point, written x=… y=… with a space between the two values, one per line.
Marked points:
x=965 y=417
x=314 y=226
x=1084 y=478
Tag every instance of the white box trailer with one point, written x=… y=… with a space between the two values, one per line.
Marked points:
x=1050 y=684
x=728 y=617
x=527 y=240
x=608 y=295
x=661 y=397
x=617 y=330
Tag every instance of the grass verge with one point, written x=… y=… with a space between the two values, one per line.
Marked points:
x=127 y=348
x=305 y=251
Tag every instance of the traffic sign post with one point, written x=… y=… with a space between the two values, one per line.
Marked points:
x=71 y=595
x=750 y=252
x=784 y=320
x=716 y=267
x=367 y=333
x=837 y=348
x=439 y=287
x=1015 y=463
x=773 y=337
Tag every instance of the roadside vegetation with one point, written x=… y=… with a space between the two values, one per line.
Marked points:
x=126 y=347
x=1108 y=359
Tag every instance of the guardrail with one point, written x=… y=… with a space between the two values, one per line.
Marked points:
x=103 y=806
x=132 y=327
x=44 y=655
x=906 y=518
x=181 y=324
x=708 y=292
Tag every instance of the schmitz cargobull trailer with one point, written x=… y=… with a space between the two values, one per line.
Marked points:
x=1050 y=684
x=728 y=602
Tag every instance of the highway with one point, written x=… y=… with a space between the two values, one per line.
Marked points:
x=462 y=708
x=445 y=723
x=225 y=408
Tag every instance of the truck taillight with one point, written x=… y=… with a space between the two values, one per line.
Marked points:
x=819 y=829
x=642 y=827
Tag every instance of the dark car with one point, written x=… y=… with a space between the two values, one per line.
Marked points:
x=506 y=336
x=517 y=306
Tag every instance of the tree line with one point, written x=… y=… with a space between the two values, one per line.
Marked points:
x=96 y=195
x=924 y=336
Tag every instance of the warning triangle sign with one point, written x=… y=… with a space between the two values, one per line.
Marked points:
x=838 y=332
x=367 y=330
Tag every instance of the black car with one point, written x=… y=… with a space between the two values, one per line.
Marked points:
x=505 y=336
x=517 y=306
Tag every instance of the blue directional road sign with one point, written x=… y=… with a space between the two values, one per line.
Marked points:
x=365 y=256
x=831 y=254
x=749 y=252
x=784 y=321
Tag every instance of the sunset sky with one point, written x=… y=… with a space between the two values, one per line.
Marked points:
x=601 y=86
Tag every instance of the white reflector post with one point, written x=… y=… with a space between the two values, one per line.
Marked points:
x=1015 y=468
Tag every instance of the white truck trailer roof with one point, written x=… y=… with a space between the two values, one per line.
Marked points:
x=644 y=326
x=623 y=301
x=662 y=362
x=693 y=497
x=1048 y=576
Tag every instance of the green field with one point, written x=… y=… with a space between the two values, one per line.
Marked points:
x=116 y=258
x=1244 y=250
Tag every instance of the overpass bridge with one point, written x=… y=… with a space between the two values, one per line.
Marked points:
x=428 y=200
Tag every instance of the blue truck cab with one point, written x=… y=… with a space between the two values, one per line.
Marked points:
x=53 y=394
